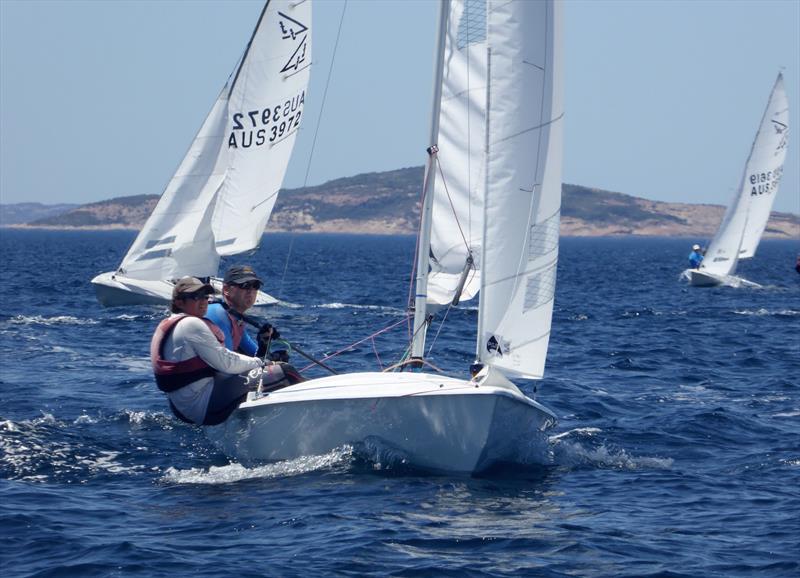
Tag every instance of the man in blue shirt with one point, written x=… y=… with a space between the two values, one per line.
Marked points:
x=695 y=257
x=239 y=290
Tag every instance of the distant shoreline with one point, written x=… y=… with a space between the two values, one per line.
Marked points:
x=572 y=235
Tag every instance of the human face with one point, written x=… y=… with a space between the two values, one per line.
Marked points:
x=195 y=305
x=241 y=297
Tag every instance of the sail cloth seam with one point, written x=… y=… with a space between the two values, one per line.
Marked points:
x=523 y=273
x=516 y=134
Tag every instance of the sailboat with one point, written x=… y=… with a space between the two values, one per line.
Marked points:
x=489 y=226
x=221 y=196
x=746 y=217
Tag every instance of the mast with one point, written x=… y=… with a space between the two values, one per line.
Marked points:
x=479 y=358
x=423 y=252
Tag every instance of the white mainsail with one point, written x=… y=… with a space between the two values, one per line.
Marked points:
x=765 y=167
x=523 y=190
x=747 y=215
x=498 y=203
x=223 y=192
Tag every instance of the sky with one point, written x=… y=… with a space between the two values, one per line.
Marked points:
x=101 y=98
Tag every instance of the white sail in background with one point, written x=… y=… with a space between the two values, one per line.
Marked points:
x=176 y=240
x=747 y=215
x=265 y=108
x=221 y=196
x=765 y=167
x=523 y=194
x=457 y=211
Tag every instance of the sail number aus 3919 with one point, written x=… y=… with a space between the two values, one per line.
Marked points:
x=257 y=127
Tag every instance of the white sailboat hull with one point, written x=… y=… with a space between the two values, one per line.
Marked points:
x=699 y=278
x=427 y=421
x=113 y=290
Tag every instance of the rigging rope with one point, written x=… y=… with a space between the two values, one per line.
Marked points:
x=452 y=206
x=359 y=342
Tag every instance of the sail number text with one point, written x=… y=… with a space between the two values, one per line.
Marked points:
x=270 y=124
x=764 y=183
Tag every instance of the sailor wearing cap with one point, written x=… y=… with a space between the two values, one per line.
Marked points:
x=190 y=362
x=239 y=290
x=695 y=257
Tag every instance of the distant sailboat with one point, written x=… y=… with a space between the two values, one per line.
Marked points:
x=220 y=198
x=746 y=217
x=490 y=225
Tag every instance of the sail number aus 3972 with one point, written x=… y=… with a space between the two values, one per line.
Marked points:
x=764 y=183
x=257 y=127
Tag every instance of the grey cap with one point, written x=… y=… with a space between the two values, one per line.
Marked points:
x=189 y=286
x=240 y=274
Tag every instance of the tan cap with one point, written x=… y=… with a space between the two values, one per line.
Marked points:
x=190 y=285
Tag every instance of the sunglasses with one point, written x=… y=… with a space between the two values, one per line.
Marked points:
x=194 y=296
x=249 y=285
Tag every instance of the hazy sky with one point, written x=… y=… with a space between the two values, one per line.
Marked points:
x=102 y=98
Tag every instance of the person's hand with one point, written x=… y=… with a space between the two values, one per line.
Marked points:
x=266 y=333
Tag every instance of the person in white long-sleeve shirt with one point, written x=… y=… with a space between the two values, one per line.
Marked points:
x=201 y=378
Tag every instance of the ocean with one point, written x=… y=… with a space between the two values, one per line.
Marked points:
x=677 y=451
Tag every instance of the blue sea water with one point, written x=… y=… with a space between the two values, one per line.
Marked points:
x=677 y=452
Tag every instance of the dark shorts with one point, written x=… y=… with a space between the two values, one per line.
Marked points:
x=226 y=396
x=231 y=390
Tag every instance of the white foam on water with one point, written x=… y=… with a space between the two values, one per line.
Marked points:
x=236 y=472
x=587 y=431
x=337 y=305
x=84 y=419
x=158 y=418
x=570 y=453
x=575 y=454
x=32 y=451
x=57 y=320
x=762 y=312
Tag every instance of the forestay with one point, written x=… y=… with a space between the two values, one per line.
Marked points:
x=523 y=186
x=221 y=196
x=748 y=213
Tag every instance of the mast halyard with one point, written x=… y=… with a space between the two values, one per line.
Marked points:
x=423 y=251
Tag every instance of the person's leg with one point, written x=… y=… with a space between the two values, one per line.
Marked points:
x=291 y=373
x=226 y=396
